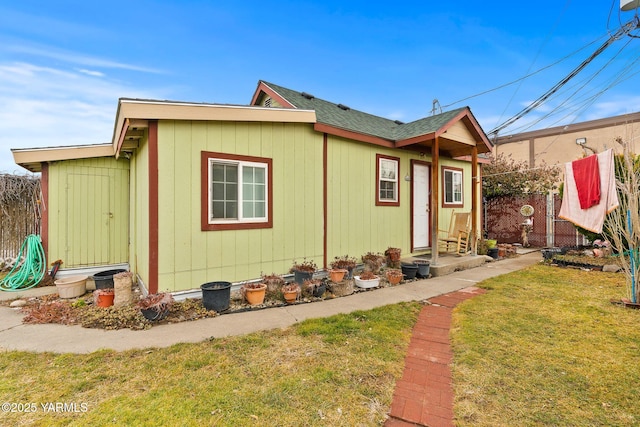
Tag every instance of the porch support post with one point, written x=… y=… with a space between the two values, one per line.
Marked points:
x=435 y=207
x=475 y=182
x=152 y=285
x=325 y=197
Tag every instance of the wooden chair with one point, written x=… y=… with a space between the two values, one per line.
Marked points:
x=458 y=234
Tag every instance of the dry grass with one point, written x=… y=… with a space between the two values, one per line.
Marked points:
x=546 y=347
x=337 y=371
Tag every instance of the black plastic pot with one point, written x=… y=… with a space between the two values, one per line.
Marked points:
x=549 y=253
x=409 y=270
x=493 y=253
x=301 y=276
x=216 y=295
x=104 y=279
x=154 y=315
x=423 y=268
x=319 y=290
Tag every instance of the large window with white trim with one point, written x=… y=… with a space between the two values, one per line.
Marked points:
x=238 y=191
x=452 y=187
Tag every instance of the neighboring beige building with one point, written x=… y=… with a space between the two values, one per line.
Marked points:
x=562 y=144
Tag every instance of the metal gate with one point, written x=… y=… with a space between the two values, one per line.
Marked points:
x=504 y=222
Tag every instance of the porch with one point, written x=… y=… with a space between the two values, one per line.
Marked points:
x=448 y=262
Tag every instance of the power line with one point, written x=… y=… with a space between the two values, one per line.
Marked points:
x=523 y=77
x=582 y=105
x=625 y=29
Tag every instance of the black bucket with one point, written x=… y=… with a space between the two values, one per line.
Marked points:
x=409 y=271
x=423 y=268
x=216 y=295
x=104 y=279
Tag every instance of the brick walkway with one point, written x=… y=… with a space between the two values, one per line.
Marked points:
x=424 y=394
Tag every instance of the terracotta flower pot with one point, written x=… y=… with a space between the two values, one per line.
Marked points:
x=290 y=296
x=255 y=294
x=337 y=275
x=394 y=277
x=103 y=297
x=393 y=254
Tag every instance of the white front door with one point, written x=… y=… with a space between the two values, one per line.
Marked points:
x=420 y=197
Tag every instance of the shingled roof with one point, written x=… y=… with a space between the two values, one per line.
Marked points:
x=343 y=117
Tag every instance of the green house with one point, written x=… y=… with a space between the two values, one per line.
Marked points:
x=188 y=193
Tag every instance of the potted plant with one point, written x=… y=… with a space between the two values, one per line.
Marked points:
x=216 y=296
x=155 y=306
x=393 y=257
x=409 y=270
x=314 y=287
x=373 y=261
x=103 y=297
x=367 y=280
x=273 y=281
x=423 y=268
x=290 y=292
x=253 y=293
x=344 y=262
x=303 y=270
x=492 y=249
x=394 y=276
x=483 y=247
x=337 y=274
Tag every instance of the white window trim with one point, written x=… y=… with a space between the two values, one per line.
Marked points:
x=454 y=173
x=396 y=163
x=240 y=219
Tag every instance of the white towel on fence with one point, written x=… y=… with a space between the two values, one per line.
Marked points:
x=591 y=219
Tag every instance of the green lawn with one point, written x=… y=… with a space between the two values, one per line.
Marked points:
x=338 y=371
x=546 y=347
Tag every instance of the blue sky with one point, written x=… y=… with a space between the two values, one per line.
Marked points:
x=64 y=64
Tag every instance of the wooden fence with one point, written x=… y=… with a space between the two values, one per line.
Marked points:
x=20 y=212
x=503 y=221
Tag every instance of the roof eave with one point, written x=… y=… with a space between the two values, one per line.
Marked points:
x=134 y=109
x=356 y=136
x=32 y=158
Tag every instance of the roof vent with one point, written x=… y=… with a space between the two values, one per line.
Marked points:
x=398 y=122
x=307 y=95
x=267 y=102
x=343 y=107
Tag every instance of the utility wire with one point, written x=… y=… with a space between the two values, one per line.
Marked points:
x=583 y=104
x=625 y=29
x=523 y=77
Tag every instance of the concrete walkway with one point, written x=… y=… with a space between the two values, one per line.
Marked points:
x=14 y=335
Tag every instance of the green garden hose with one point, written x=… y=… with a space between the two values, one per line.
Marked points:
x=31 y=271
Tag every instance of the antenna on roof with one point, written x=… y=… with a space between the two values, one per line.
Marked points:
x=434 y=109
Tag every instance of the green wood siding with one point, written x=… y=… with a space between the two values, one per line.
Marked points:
x=355 y=224
x=89 y=212
x=139 y=216
x=188 y=256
